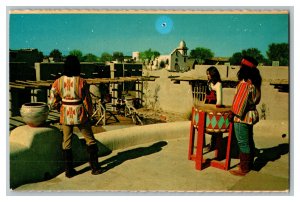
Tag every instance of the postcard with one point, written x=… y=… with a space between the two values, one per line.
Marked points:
x=149 y=101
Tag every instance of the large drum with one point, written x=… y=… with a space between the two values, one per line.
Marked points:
x=207 y=118
x=216 y=119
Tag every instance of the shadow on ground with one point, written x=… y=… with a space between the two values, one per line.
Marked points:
x=121 y=157
x=263 y=156
x=269 y=154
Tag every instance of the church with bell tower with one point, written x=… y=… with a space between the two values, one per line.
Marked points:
x=179 y=57
x=175 y=61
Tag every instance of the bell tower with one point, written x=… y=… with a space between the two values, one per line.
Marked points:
x=182 y=48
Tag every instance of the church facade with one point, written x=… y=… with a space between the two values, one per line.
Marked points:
x=177 y=60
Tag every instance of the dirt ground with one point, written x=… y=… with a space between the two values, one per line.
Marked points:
x=151 y=116
x=147 y=116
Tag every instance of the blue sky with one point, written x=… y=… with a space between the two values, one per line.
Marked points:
x=224 y=34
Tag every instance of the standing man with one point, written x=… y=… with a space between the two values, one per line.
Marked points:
x=70 y=94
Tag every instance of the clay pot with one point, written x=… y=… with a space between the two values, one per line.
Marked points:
x=34 y=114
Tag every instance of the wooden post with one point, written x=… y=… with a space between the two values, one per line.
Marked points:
x=228 y=159
x=227 y=71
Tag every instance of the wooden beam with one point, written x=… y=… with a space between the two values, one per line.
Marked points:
x=47 y=83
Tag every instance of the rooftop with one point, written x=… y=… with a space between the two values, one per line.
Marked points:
x=162 y=167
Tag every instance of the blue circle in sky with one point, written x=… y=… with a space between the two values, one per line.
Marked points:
x=164 y=24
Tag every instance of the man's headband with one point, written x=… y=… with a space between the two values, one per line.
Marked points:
x=248 y=63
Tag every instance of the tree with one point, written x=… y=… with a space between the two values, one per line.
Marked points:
x=148 y=55
x=236 y=58
x=106 y=57
x=56 y=54
x=278 y=52
x=201 y=54
x=40 y=56
x=118 y=56
x=162 y=64
x=77 y=53
x=255 y=53
x=90 y=58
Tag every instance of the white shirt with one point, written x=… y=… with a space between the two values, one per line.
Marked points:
x=218 y=88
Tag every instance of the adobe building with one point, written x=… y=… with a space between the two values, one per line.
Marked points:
x=176 y=61
x=21 y=64
x=22 y=74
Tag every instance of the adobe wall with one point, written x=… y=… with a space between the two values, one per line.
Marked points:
x=36 y=153
x=51 y=71
x=178 y=97
x=229 y=72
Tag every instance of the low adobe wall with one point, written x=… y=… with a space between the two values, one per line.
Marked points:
x=36 y=153
x=179 y=98
x=229 y=72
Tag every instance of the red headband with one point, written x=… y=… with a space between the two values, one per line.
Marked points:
x=248 y=63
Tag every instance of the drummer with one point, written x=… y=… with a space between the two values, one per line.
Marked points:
x=214 y=95
x=248 y=94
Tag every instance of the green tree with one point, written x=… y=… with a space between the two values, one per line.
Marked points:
x=255 y=53
x=106 y=57
x=90 y=58
x=162 y=64
x=278 y=52
x=149 y=54
x=236 y=58
x=40 y=56
x=201 y=54
x=56 y=54
x=77 y=53
x=117 y=55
